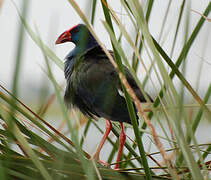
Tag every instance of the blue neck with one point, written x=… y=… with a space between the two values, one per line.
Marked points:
x=77 y=52
x=81 y=49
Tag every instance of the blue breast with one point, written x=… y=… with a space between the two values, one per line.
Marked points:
x=73 y=55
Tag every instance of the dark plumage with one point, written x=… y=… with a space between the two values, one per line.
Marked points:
x=93 y=85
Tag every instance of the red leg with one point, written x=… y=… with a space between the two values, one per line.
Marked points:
x=107 y=131
x=122 y=138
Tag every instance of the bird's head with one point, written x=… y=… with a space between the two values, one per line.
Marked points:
x=79 y=35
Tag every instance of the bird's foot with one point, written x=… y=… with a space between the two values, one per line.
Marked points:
x=95 y=157
x=103 y=163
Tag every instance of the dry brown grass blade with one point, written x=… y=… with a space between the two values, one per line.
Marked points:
x=47 y=124
x=1 y=3
x=205 y=17
x=16 y=142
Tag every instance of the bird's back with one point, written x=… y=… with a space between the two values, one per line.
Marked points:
x=94 y=87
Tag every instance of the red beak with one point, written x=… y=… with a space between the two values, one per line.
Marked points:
x=64 y=37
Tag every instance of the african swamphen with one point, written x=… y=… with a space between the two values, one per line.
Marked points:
x=93 y=85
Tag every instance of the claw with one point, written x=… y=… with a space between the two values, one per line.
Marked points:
x=95 y=157
x=103 y=163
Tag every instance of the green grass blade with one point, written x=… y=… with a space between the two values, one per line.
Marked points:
x=195 y=123
x=88 y=123
x=177 y=26
x=191 y=39
x=38 y=41
x=32 y=119
x=27 y=149
x=200 y=112
x=94 y=3
x=19 y=50
x=182 y=55
x=206 y=153
x=2 y=172
x=181 y=77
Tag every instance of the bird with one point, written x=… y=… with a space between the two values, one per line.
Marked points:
x=93 y=85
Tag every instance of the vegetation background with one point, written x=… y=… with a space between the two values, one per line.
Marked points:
x=40 y=139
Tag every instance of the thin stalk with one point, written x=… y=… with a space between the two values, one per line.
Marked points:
x=177 y=26
x=19 y=50
x=94 y=3
x=85 y=131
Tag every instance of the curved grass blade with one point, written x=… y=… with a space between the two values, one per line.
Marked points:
x=39 y=43
x=181 y=77
x=27 y=148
